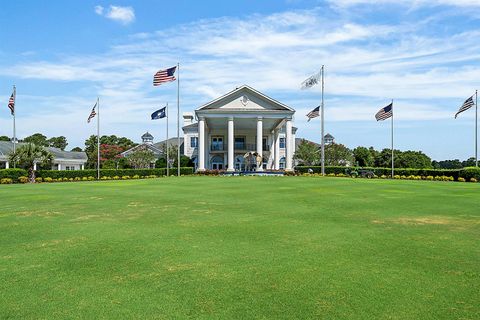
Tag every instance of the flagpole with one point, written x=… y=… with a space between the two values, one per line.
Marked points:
x=392 y=143
x=323 y=123
x=14 y=127
x=178 y=119
x=98 y=138
x=476 y=128
x=168 y=159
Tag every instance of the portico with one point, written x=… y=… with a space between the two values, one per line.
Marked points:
x=242 y=130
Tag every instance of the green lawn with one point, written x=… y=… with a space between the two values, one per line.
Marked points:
x=240 y=248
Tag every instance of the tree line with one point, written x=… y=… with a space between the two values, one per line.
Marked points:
x=41 y=140
x=308 y=153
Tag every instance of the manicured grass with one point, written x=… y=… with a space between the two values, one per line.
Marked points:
x=240 y=248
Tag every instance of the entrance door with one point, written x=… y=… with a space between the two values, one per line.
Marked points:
x=217 y=163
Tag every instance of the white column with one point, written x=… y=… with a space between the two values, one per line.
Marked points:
x=82 y=167
x=201 y=144
x=35 y=166
x=259 y=141
x=277 y=149
x=231 y=139
x=272 y=149
x=59 y=166
x=7 y=165
x=288 y=146
x=208 y=147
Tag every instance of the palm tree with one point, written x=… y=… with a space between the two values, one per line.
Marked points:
x=29 y=154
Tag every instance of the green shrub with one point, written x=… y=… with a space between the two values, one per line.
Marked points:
x=108 y=172
x=13 y=173
x=470 y=172
x=48 y=179
x=23 y=179
x=125 y=177
x=385 y=171
x=473 y=180
x=429 y=178
x=6 y=181
x=77 y=179
x=116 y=178
x=136 y=176
x=65 y=179
x=38 y=179
x=84 y=178
x=460 y=179
x=90 y=178
x=397 y=176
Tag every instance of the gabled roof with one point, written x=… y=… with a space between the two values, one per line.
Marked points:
x=171 y=142
x=191 y=126
x=6 y=148
x=248 y=90
x=148 y=146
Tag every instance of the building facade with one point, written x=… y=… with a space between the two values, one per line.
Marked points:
x=62 y=160
x=242 y=130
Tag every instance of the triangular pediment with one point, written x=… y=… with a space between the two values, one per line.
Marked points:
x=245 y=98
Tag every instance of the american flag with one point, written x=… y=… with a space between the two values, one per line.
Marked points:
x=163 y=76
x=385 y=113
x=92 y=114
x=465 y=106
x=313 y=114
x=11 y=103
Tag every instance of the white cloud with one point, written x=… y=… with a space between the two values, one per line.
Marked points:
x=415 y=3
x=124 y=15
x=99 y=10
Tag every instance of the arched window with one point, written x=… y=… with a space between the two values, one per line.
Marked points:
x=217 y=163
x=239 y=163
x=282 y=163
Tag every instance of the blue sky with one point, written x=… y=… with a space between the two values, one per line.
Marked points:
x=423 y=54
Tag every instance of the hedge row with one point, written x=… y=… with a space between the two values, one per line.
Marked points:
x=15 y=174
x=55 y=174
x=466 y=173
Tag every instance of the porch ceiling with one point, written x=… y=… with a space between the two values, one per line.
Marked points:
x=242 y=123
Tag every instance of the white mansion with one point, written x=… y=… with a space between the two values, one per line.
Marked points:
x=240 y=123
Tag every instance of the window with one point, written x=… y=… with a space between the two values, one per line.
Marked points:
x=282 y=143
x=264 y=144
x=240 y=143
x=217 y=144
x=282 y=163
x=193 y=142
x=239 y=163
x=217 y=163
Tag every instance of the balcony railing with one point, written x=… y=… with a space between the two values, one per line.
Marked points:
x=238 y=146
x=218 y=147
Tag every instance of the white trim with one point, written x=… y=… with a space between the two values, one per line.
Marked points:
x=245 y=87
